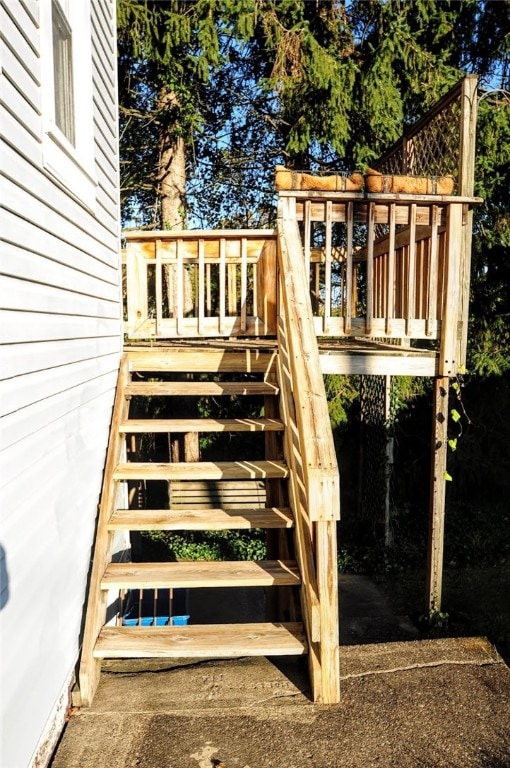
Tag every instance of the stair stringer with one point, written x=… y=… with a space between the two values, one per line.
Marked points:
x=90 y=667
x=303 y=526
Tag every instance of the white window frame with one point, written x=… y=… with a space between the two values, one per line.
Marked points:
x=71 y=164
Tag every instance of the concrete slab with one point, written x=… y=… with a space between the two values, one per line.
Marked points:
x=426 y=704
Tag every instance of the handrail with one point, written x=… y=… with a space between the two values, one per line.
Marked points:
x=309 y=392
x=311 y=455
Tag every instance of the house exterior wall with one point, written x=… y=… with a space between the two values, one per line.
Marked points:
x=60 y=348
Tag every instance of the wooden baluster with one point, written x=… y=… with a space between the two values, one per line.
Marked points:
x=390 y=272
x=342 y=289
x=411 y=271
x=431 y=319
x=255 y=295
x=421 y=248
x=377 y=282
x=350 y=270
x=208 y=299
x=222 y=279
x=180 y=289
x=307 y=235
x=244 y=284
x=232 y=289
x=327 y=268
x=201 y=287
x=369 y=313
x=159 y=288
x=317 y=285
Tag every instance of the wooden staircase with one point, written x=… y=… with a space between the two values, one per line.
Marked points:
x=159 y=373
x=287 y=484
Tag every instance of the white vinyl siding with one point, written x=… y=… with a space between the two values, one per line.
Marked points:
x=61 y=338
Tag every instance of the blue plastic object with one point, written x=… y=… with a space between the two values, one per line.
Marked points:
x=179 y=621
x=159 y=621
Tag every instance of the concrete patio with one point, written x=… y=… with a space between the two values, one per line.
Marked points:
x=406 y=703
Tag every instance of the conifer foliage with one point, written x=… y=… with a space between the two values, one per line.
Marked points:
x=241 y=84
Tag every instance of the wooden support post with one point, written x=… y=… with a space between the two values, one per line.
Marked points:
x=448 y=362
x=327 y=582
x=388 y=533
x=136 y=286
x=437 y=494
x=469 y=109
x=266 y=288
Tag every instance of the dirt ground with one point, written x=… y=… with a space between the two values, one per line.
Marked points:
x=475 y=601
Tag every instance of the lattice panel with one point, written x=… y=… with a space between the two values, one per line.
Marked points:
x=393 y=164
x=432 y=149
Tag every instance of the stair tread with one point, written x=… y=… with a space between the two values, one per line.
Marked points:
x=200 y=573
x=206 y=470
x=201 y=641
x=201 y=388
x=201 y=425
x=200 y=519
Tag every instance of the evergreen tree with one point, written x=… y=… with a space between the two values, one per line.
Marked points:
x=166 y=50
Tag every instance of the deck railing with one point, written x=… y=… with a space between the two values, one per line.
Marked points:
x=379 y=266
x=384 y=266
x=200 y=283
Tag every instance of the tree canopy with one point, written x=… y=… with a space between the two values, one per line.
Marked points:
x=253 y=82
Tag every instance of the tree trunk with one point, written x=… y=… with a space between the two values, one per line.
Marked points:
x=172 y=164
x=172 y=192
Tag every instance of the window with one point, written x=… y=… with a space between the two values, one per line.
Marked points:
x=63 y=72
x=67 y=103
